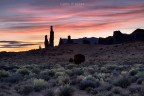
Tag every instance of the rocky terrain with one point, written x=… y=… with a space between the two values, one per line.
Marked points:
x=107 y=70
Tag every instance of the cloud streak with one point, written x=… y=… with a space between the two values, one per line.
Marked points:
x=15 y=44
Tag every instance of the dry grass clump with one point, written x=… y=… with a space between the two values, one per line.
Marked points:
x=24 y=71
x=89 y=82
x=4 y=73
x=39 y=84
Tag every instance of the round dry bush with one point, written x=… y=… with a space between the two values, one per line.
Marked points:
x=23 y=71
x=79 y=58
x=63 y=80
x=39 y=84
x=4 y=73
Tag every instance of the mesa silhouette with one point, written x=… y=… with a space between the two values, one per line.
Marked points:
x=117 y=38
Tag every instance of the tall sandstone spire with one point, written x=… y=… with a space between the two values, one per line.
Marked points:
x=51 y=37
x=46 y=43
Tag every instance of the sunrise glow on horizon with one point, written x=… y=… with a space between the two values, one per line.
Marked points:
x=24 y=23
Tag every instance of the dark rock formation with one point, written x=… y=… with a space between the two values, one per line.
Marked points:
x=106 y=41
x=61 y=42
x=46 y=43
x=40 y=47
x=69 y=41
x=51 y=37
x=84 y=40
x=118 y=37
x=138 y=35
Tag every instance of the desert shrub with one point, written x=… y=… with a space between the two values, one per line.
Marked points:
x=69 y=72
x=71 y=60
x=117 y=90
x=4 y=86
x=140 y=74
x=39 y=84
x=140 y=81
x=4 y=67
x=59 y=74
x=76 y=80
x=77 y=71
x=89 y=89
x=94 y=91
x=124 y=73
x=107 y=86
x=46 y=74
x=60 y=68
x=80 y=78
x=70 y=66
x=133 y=72
x=36 y=70
x=63 y=80
x=91 y=70
x=23 y=71
x=25 y=89
x=133 y=79
x=3 y=94
x=89 y=77
x=89 y=82
x=141 y=93
x=50 y=93
x=15 y=78
x=109 y=94
x=30 y=67
x=51 y=73
x=122 y=82
x=4 y=73
x=134 y=89
x=66 y=91
x=79 y=58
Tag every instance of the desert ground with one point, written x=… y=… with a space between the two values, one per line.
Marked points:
x=108 y=70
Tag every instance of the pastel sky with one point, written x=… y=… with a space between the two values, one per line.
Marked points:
x=23 y=23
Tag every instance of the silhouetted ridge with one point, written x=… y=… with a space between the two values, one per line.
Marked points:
x=138 y=35
x=106 y=41
x=84 y=40
x=118 y=37
x=138 y=32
